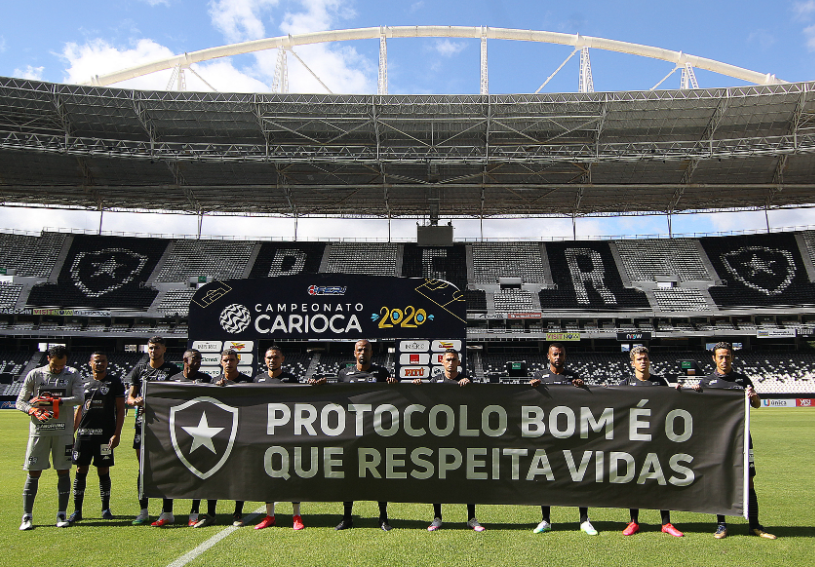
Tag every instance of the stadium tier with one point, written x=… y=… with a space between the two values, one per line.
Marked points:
x=448 y=263
x=289 y=258
x=30 y=256
x=103 y=272
x=222 y=260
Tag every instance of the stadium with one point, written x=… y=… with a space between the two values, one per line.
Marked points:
x=436 y=159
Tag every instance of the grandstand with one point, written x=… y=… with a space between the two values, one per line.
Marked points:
x=425 y=157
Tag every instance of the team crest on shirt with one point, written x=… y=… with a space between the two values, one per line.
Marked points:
x=104 y=389
x=203 y=432
x=767 y=270
x=98 y=273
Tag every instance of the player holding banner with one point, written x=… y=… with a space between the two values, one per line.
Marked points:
x=98 y=424
x=48 y=396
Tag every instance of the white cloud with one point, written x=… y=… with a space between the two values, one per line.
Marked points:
x=804 y=9
x=157 y=2
x=809 y=34
x=240 y=20
x=98 y=57
x=447 y=48
x=340 y=67
x=33 y=73
x=416 y=6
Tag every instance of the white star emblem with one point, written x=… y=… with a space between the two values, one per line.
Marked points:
x=202 y=434
x=757 y=265
x=108 y=267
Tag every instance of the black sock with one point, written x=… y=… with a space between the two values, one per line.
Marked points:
x=752 y=509
x=104 y=490
x=30 y=493
x=666 y=516
x=545 y=513
x=196 y=506
x=211 y=504
x=79 y=490
x=720 y=520
x=347 y=508
x=383 y=510
x=470 y=511
x=63 y=491
x=584 y=514
x=635 y=515
x=238 y=508
x=437 y=511
x=167 y=506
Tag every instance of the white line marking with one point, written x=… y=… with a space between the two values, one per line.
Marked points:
x=190 y=555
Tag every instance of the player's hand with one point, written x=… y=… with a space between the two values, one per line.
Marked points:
x=577 y=382
x=40 y=402
x=220 y=383
x=138 y=402
x=392 y=380
x=464 y=382
x=114 y=442
x=40 y=414
x=417 y=381
x=535 y=382
x=318 y=381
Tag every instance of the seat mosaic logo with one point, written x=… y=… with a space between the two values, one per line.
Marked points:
x=235 y=318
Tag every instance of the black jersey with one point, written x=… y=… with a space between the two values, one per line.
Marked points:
x=197 y=378
x=143 y=372
x=282 y=378
x=733 y=381
x=99 y=409
x=549 y=377
x=350 y=374
x=442 y=379
x=653 y=380
x=239 y=379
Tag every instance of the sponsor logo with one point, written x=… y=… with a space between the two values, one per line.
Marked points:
x=235 y=318
x=88 y=432
x=239 y=346
x=32 y=460
x=767 y=270
x=203 y=432
x=98 y=273
x=778 y=403
x=211 y=294
x=775 y=333
x=414 y=346
x=207 y=346
x=442 y=345
x=414 y=372
x=326 y=290
x=562 y=337
x=414 y=359
x=528 y=315
x=805 y=402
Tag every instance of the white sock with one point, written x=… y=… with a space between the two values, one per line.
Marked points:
x=270 y=508
x=295 y=508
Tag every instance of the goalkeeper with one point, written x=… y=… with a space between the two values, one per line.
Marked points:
x=48 y=395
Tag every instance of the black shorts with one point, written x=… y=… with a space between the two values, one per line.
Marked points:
x=92 y=449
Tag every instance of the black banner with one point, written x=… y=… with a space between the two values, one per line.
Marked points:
x=617 y=447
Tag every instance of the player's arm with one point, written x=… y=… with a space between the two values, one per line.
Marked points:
x=464 y=382
x=78 y=416
x=24 y=400
x=755 y=399
x=133 y=399
x=134 y=393
x=77 y=397
x=120 y=421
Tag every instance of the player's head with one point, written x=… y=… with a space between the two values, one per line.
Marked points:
x=229 y=360
x=274 y=357
x=363 y=352
x=156 y=347
x=192 y=361
x=57 y=356
x=450 y=361
x=723 y=357
x=98 y=363
x=557 y=355
x=640 y=359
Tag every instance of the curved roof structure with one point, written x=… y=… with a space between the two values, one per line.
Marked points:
x=405 y=155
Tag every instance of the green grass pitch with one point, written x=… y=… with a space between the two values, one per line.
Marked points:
x=785 y=461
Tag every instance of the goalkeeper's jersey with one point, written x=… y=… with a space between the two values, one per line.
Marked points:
x=66 y=385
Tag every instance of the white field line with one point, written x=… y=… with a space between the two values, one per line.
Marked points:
x=191 y=555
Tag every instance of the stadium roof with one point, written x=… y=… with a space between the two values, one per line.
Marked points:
x=407 y=155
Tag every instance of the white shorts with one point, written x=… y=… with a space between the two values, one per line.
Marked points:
x=58 y=447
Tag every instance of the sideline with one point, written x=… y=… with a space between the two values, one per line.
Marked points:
x=223 y=534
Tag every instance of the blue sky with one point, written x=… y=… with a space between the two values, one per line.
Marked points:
x=70 y=41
